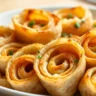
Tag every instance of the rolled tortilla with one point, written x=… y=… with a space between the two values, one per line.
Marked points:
x=75 y=20
x=6 y=35
x=6 y=53
x=60 y=65
x=20 y=72
x=87 y=85
x=37 y=26
x=89 y=45
x=4 y=82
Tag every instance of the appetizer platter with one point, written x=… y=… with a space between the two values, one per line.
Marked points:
x=48 y=52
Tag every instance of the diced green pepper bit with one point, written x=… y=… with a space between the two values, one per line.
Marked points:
x=77 y=25
x=64 y=34
x=94 y=25
x=10 y=52
x=31 y=23
x=39 y=56
x=42 y=25
x=70 y=16
x=76 y=60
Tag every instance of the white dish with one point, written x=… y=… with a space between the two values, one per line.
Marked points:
x=5 y=19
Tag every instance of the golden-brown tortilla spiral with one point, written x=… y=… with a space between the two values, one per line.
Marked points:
x=87 y=85
x=20 y=72
x=60 y=65
x=76 y=20
x=34 y=25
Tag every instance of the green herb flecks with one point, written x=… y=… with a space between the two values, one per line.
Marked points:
x=42 y=25
x=38 y=51
x=70 y=16
x=94 y=25
x=77 y=25
x=37 y=30
x=66 y=34
x=70 y=35
x=76 y=60
x=10 y=52
x=31 y=23
x=82 y=21
x=39 y=56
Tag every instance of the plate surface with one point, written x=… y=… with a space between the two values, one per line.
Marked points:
x=6 y=19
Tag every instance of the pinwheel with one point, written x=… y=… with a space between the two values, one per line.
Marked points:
x=89 y=45
x=20 y=72
x=6 y=35
x=4 y=82
x=34 y=25
x=60 y=65
x=76 y=20
x=87 y=85
x=6 y=53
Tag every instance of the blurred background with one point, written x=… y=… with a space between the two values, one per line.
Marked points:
x=6 y=5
